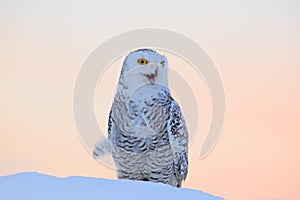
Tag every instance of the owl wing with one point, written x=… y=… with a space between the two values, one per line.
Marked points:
x=178 y=137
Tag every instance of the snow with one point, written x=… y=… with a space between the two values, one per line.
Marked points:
x=35 y=186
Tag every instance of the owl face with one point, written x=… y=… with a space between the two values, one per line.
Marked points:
x=145 y=66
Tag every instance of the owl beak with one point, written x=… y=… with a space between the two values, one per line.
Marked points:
x=152 y=80
x=151 y=77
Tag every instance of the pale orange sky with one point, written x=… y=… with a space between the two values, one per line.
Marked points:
x=255 y=46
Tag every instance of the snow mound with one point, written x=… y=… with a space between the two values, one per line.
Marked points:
x=35 y=186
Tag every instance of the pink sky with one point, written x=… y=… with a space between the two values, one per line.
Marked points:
x=255 y=46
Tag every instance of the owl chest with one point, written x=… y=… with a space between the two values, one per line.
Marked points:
x=140 y=115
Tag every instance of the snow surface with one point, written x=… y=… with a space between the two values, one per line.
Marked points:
x=35 y=186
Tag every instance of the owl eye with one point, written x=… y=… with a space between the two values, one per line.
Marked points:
x=142 y=61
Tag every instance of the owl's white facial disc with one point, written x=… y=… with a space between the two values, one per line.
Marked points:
x=142 y=67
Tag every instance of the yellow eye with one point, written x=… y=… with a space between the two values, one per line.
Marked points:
x=142 y=61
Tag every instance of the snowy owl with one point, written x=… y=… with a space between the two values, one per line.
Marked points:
x=147 y=134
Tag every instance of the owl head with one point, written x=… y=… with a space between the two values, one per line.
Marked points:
x=144 y=66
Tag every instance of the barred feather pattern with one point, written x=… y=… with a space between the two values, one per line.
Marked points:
x=147 y=134
x=149 y=137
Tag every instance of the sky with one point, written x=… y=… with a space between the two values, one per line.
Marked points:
x=255 y=46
